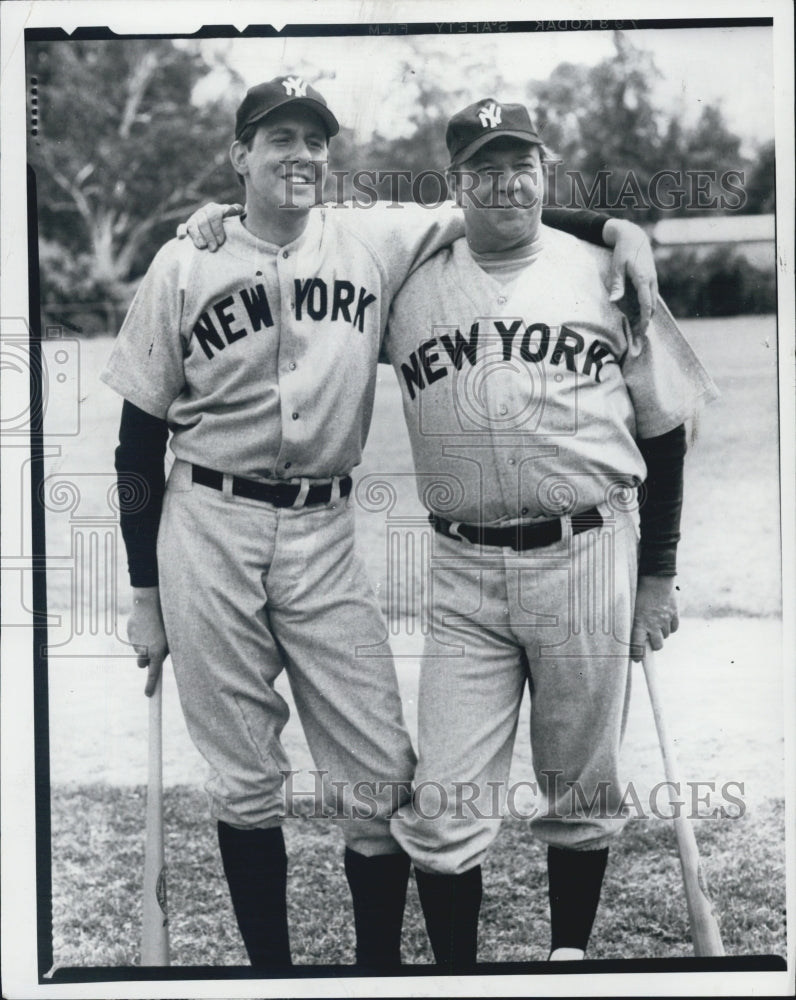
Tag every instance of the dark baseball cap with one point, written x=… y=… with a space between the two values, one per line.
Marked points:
x=267 y=97
x=480 y=123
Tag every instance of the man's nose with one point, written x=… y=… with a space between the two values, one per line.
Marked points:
x=526 y=179
x=503 y=180
x=302 y=151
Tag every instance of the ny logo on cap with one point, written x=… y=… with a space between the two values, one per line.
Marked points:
x=295 y=85
x=490 y=115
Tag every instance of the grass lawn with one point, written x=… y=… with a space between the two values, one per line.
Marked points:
x=96 y=872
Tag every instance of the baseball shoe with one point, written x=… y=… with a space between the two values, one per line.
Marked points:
x=566 y=955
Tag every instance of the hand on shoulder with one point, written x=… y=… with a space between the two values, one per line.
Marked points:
x=206 y=226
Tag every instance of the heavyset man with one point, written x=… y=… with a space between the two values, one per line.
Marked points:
x=535 y=413
x=261 y=362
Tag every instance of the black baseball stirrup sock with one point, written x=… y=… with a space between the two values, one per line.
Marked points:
x=378 y=892
x=255 y=863
x=451 y=904
x=574 y=880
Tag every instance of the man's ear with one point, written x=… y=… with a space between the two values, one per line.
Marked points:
x=238 y=155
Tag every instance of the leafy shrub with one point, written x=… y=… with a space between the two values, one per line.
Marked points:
x=721 y=283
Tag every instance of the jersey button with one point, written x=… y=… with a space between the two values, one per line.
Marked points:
x=288 y=464
x=501 y=300
x=512 y=461
x=503 y=410
x=292 y=366
x=285 y=254
x=295 y=416
x=524 y=510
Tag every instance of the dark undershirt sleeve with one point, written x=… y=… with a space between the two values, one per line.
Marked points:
x=661 y=501
x=141 y=476
x=580 y=222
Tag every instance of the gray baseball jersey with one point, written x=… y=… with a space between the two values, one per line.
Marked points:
x=524 y=399
x=263 y=358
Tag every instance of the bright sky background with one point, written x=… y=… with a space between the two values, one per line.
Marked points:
x=729 y=66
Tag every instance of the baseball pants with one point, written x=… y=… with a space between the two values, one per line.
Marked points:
x=558 y=619
x=248 y=589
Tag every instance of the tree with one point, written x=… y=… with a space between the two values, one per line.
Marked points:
x=422 y=150
x=604 y=125
x=613 y=139
x=435 y=85
x=761 y=181
x=122 y=152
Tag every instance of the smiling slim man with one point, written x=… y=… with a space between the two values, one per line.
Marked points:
x=261 y=361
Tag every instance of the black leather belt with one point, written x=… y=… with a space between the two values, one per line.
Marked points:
x=277 y=494
x=518 y=536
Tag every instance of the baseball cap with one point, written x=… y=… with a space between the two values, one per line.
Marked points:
x=480 y=123
x=267 y=97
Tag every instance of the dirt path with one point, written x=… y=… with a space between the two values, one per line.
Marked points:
x=721 y=680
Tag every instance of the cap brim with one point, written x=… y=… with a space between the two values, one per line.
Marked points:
x=330 y=122
x=482 y=140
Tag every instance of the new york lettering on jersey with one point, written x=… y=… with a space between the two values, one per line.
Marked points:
x=541 y=375
x=248 y=310
x=245 y=352
x=499 y=408
x=536 y=342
